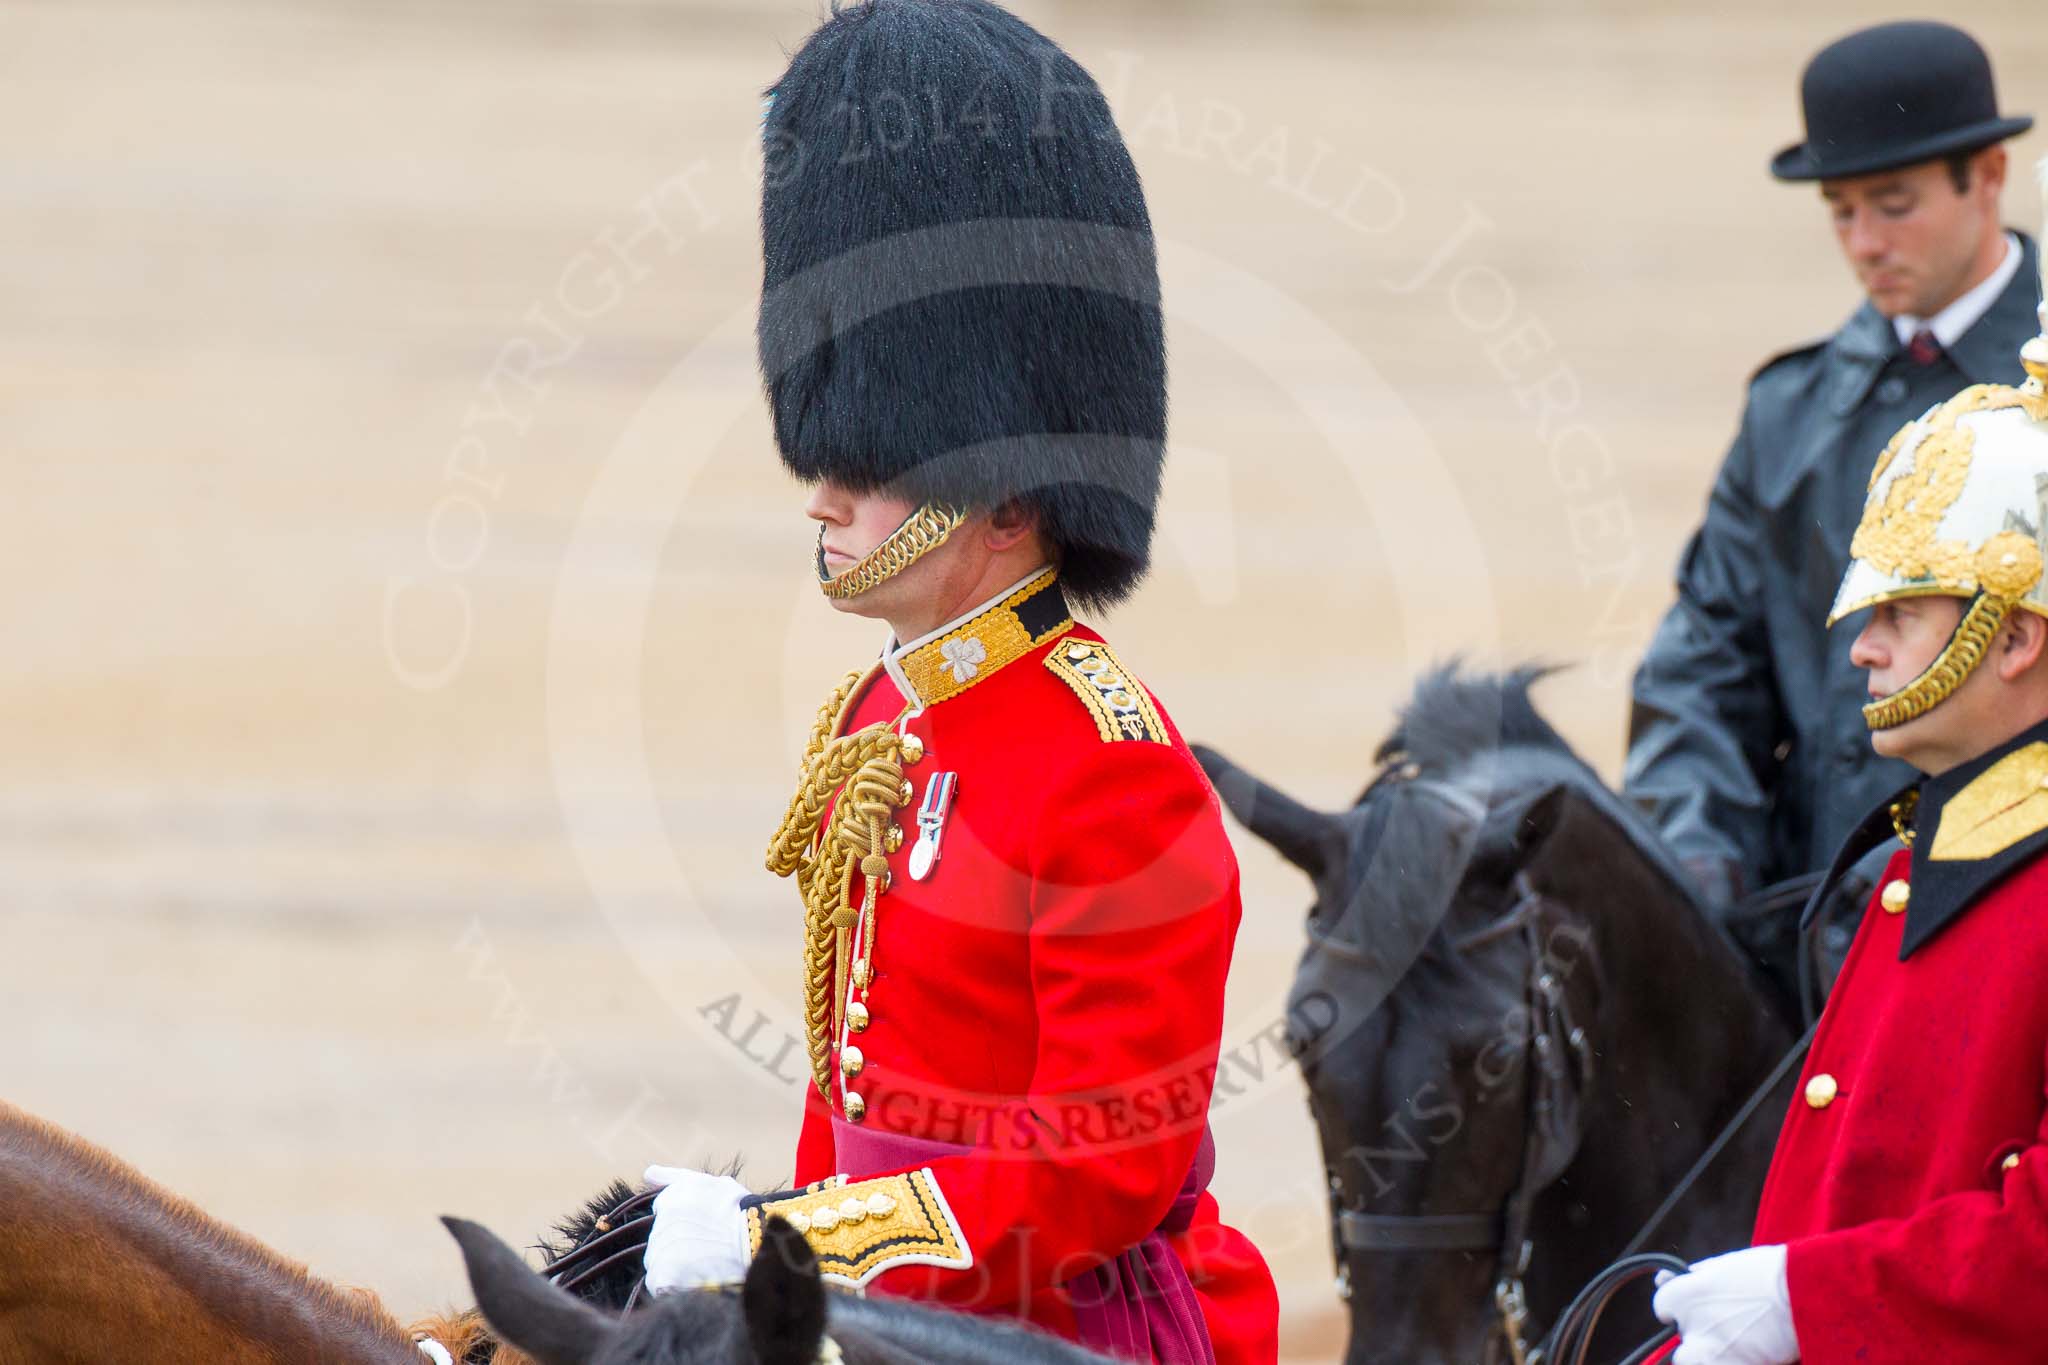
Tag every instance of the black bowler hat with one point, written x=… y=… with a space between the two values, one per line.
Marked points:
x=1891 y=96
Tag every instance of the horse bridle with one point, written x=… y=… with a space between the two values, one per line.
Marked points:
x=1505 y=1231
x=1572 y=1335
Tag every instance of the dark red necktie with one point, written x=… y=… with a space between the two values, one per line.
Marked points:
x=1923 y=348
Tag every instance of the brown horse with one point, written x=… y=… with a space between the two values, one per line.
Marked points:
x=98 y=1263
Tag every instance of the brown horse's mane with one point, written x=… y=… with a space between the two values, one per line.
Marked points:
x=469 y=1339
x=51 y=1178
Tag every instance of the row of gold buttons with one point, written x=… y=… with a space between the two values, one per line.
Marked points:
x=1823 y=1090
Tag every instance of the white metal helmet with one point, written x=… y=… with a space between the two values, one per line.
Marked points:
x=1958 y=507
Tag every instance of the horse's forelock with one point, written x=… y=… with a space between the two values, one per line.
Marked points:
x=1454 y=717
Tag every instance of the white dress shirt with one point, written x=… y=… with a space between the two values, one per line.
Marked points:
x=1959 y=317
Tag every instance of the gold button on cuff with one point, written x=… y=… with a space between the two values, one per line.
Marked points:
x=857 y=1017
x=2009 y=1162
x=1078 y=652
x=856 y=1107
x=1894 y=896
x=913 y=749
x=851 y=1060
x=1820 y=1091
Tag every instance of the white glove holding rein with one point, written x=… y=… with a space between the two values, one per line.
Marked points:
x=699 y=1235
x=1731 y=1310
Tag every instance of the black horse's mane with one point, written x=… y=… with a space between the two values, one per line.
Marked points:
x=895 y=1329
x=1454 y=717
x=1482 y=732
x=869 y=1329
x=581 y=1225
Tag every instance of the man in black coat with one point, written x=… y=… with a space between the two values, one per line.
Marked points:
x=1746 y=743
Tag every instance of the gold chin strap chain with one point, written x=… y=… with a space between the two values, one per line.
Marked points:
x=922 y=532
x=865 y=771
x=1965 y=649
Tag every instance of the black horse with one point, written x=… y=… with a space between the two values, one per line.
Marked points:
x=589 y=1306
x=1518 y=1028
x=781 y=1314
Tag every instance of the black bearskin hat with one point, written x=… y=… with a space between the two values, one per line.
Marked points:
x=960 y=293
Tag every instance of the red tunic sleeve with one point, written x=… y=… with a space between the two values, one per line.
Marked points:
x=814 y=1150
x=1968 y=1271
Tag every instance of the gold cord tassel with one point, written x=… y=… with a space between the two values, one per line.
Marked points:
x=864 y=772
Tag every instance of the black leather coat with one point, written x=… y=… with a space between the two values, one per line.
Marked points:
x=1747 y=745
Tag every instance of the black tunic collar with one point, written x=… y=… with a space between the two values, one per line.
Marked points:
x=1976 y=824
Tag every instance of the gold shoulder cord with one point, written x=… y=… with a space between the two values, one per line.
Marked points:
x=865 y=770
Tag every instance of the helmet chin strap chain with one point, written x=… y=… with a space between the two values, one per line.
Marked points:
x=1964 y=651
x=922 y=532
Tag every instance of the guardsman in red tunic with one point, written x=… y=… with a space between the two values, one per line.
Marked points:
x=1905 y=1216
x=1019 y=901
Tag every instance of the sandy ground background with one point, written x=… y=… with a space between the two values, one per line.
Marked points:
x=406 y=635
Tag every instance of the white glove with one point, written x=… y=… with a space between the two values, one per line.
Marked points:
x=1731 y=1310
x=699 y=1236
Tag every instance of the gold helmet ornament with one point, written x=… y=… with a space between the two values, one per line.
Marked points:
x=1957 y=508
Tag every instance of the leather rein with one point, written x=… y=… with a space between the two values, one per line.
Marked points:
x=618 y=1236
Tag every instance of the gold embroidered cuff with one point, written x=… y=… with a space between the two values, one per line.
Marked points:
x=864 y=1227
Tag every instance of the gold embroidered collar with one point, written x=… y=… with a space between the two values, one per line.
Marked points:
x=2002 y=805
x=1978 y=823
x=976 y=646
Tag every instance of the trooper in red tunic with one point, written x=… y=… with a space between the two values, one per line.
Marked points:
x=1019 y=903
x=1905 y=1216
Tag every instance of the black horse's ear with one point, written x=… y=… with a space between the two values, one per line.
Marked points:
x=545 y=1322
x=783 y=1298
x=1312 y=840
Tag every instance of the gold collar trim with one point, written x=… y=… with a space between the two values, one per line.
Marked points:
x=954 y=658
x=2002 y=805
